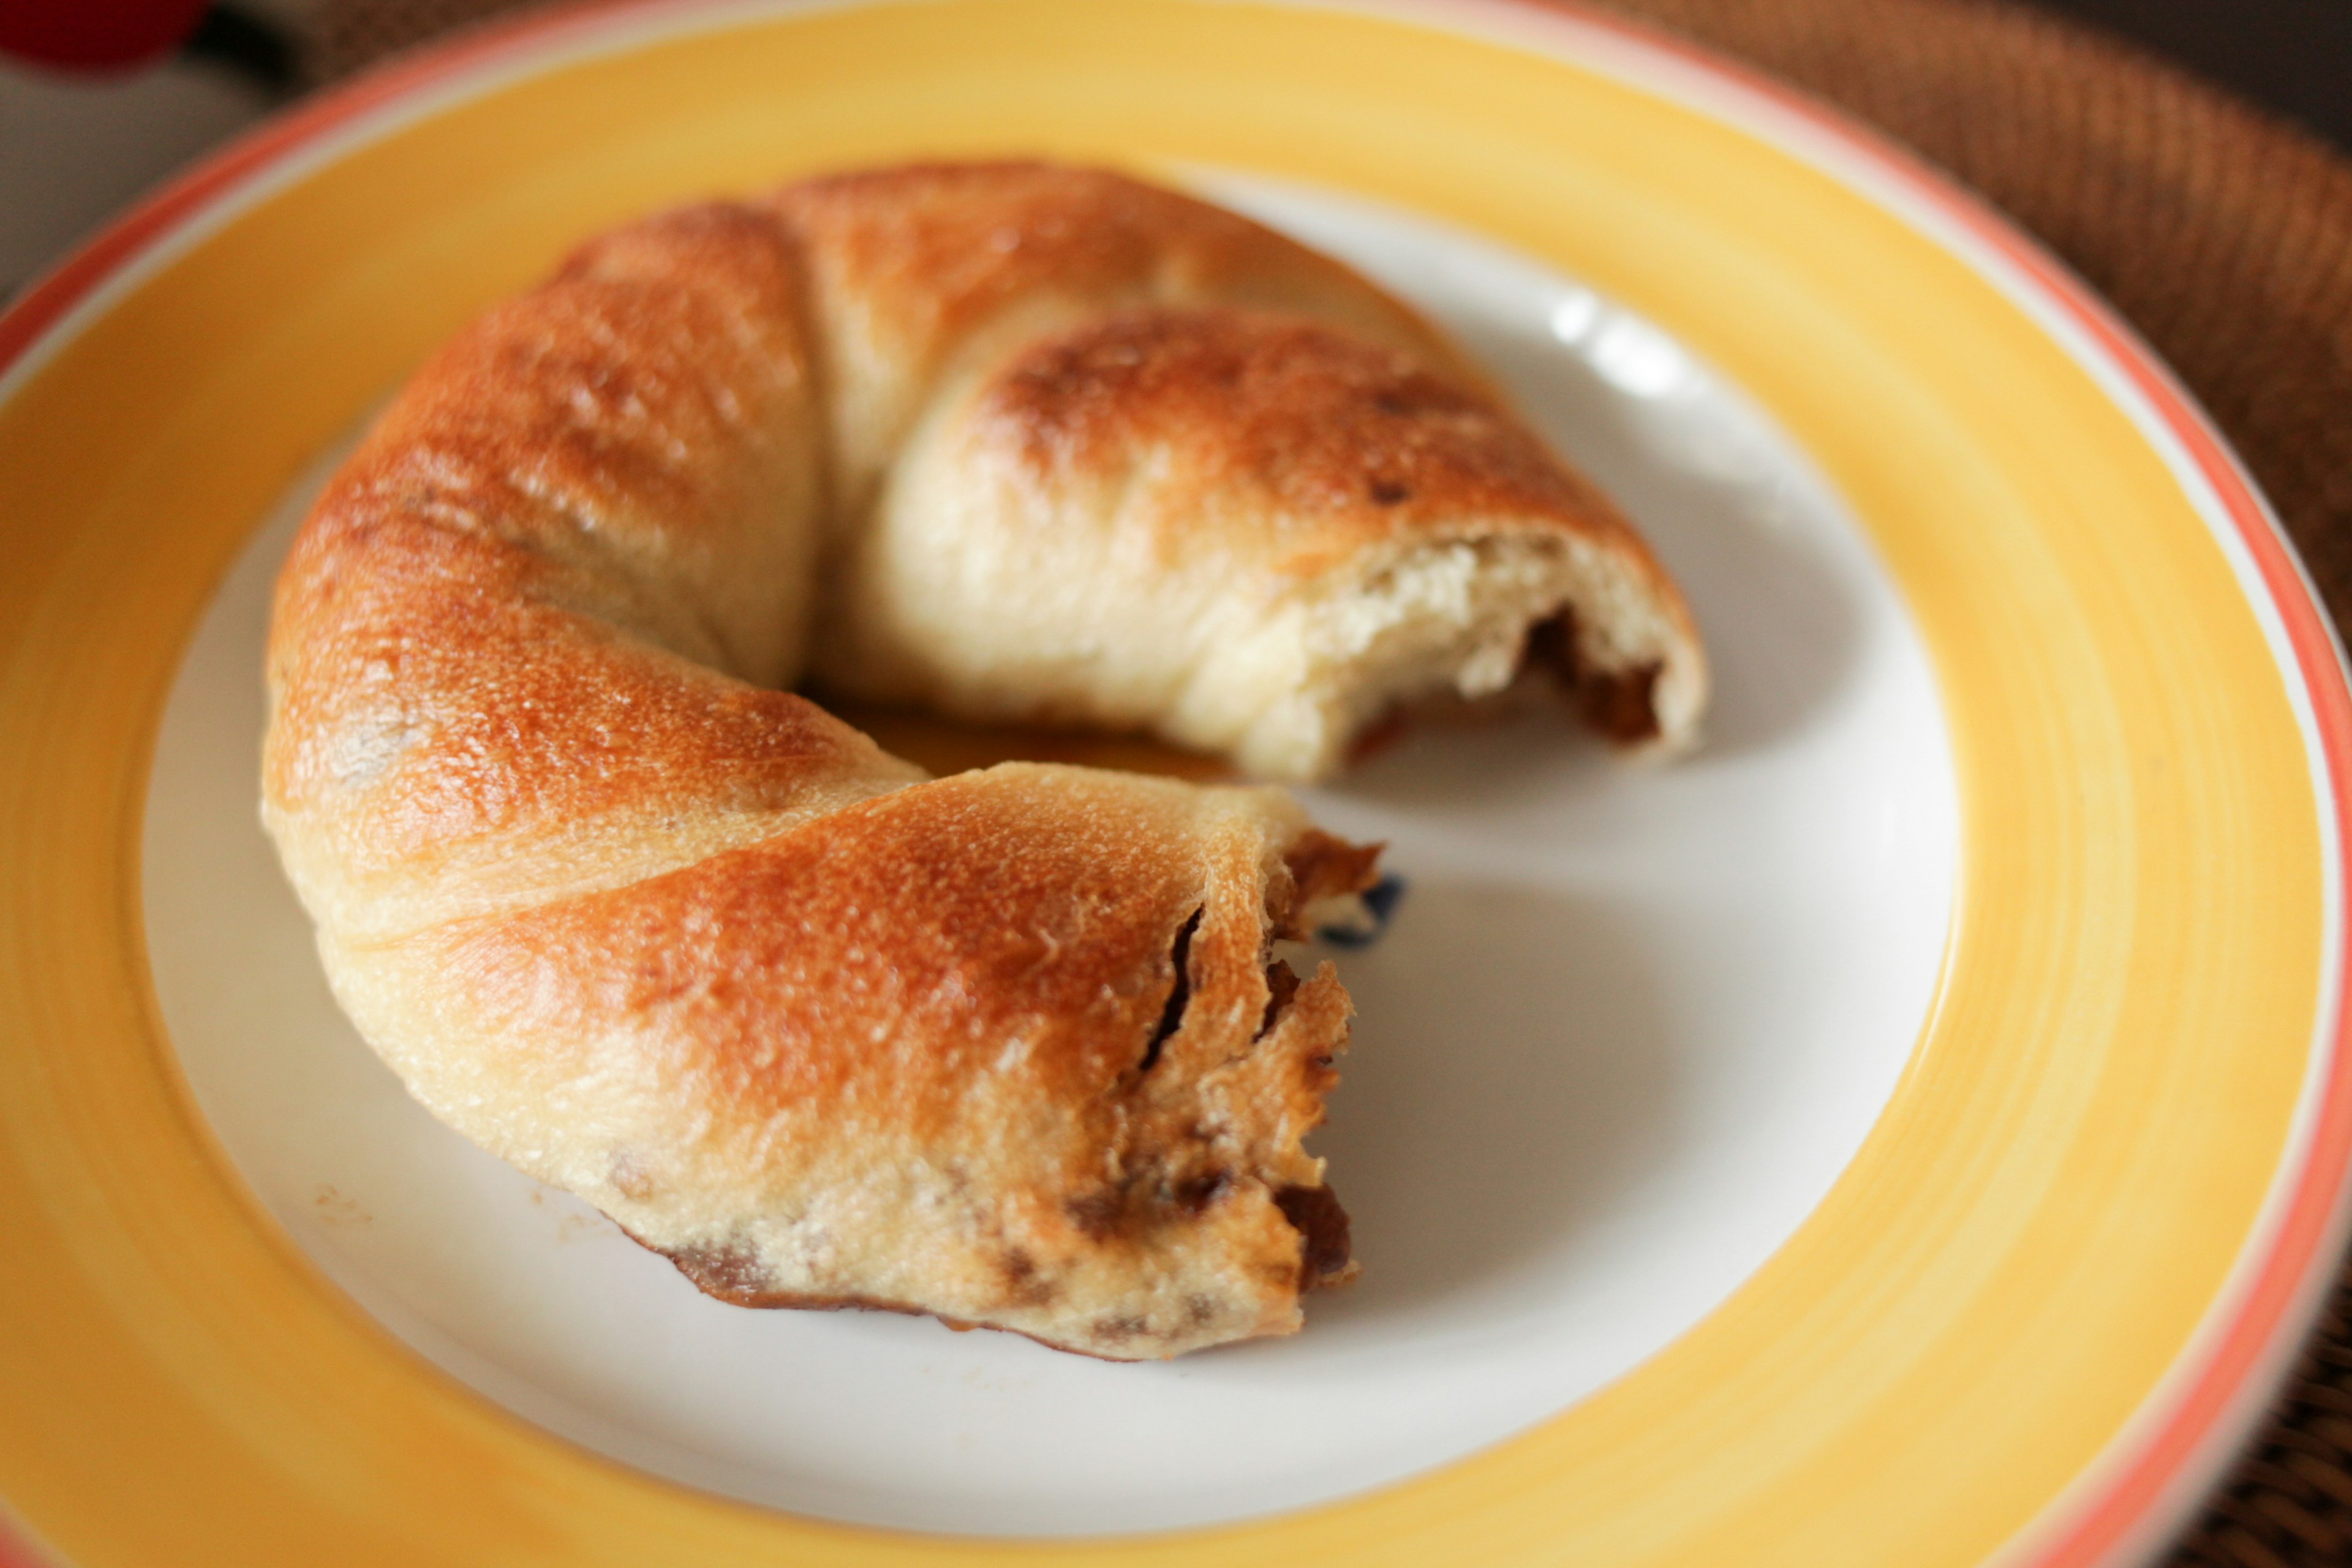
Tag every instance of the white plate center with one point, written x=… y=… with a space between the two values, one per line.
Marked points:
x=1627 y=1027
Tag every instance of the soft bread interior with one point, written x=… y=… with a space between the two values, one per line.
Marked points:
x=1442 y=622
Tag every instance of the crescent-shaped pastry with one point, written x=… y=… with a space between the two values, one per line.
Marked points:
x=1012 y=441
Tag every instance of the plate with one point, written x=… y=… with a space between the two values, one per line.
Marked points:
x=1630 y=996
x=1912 y=1130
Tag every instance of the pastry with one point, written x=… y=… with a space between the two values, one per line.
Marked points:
x=1013 y=441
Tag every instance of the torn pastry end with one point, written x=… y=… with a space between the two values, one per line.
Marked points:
x=1171 y=1206
x=1324 y=1261
x=1328 y=877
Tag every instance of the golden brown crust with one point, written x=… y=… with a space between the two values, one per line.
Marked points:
x=451 y=699
x=929 y=252
x=1006 y=1046
x=875 y=960
x=521 y=608
x=646 y=414
x=960 y=1000
x=1340 y=440
x=912 y=266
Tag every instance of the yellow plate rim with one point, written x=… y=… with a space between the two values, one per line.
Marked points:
x=2153 y=1469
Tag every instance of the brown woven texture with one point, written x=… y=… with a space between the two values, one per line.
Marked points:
x=2223 y=235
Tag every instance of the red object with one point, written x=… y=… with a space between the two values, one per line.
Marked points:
x=94 y=34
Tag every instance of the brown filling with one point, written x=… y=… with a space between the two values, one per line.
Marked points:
x=1616 y=702
x=1180 y=991
x=1281 y=985
x=1321 y=867
x=1621 y=705
x=732 y=1277
x=1379 y=735
x=1322 y=1226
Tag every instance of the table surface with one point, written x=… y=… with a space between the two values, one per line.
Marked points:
x=2293 y=57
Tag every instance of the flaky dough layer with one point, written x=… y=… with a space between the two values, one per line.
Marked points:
x=1009 y=440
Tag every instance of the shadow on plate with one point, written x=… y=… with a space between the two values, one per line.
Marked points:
x=1512 y=1072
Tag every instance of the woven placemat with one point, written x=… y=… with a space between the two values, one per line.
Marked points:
x=2225 y=234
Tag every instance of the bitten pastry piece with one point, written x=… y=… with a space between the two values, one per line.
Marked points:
x=1264 y=535
x=1009 y=1046
x=1145 y=465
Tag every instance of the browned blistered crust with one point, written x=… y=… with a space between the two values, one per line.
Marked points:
x=926 y=252
x=1009 y=1046
x=942 y=1016
x=915 y=267
x=1338 y=436
x=1332 y=443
